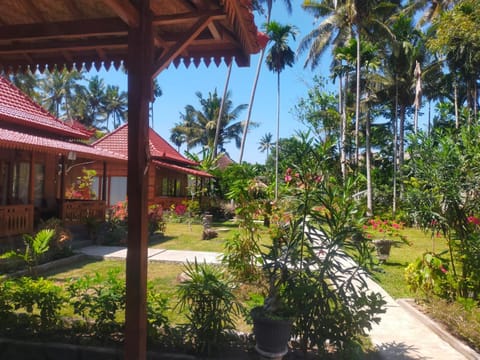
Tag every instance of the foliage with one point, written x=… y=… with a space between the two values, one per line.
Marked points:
x=35 y=246
x=241 y=250
x=98 y=298
x=156 y=224
x=429 y=275
x=117 y=221
x=386 y=229
x=82 y=188
x=308 y=273
x=198 y=126
x=32 y=296
x=443 y=198
x=207 y=295
x=60 y=244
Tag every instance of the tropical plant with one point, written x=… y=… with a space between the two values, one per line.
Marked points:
x=35 y=246
x=198 y=127
x=279 y=56
x=269 y=3
x=59 y=89
x=443 y=197
x=98 y=298
x=207 y=295
x=115 y=103
x=265 y=143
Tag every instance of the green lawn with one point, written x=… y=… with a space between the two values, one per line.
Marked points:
x=391 y=274
x=181 y=236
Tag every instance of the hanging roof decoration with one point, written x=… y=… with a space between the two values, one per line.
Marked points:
x=57 y=34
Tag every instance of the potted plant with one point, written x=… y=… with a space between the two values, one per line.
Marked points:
x=272 y=321
x=388 y=230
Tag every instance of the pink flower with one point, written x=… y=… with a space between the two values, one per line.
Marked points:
x=473 y=220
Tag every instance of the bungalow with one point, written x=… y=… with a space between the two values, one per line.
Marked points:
x=172 y=177
x=39 y=156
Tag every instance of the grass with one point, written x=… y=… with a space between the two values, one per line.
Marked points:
x=181 y=236
x=390 y=275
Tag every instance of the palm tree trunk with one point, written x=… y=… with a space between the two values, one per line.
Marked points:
x=250 y=105
x=343 y=129
x=395 y=151
x=401 y=150
x=455 y=95
x=254 y=88
x=278 y=136
x=368 y=157
x=357 y=101
x=220 y=111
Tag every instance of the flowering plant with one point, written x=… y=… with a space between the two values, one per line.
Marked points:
x=390 y=229
x=82 y=188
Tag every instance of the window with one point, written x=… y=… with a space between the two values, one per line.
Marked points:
x=21 y=179
x=168 y=185
x=3 y=182
x=118 y=189
x=39 y=186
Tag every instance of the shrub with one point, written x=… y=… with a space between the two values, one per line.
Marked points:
x=98 y=300
x=40 y=295
x=211 y=306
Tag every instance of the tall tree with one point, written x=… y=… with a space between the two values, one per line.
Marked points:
x=265 y=143
x=279 y=56
x=157 y=92
x=116 y=105
x=458 y=39
x=198 y=126
x=59 y=89
x=269 y=4
x=90 y=106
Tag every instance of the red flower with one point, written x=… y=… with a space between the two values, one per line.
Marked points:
x=473 y=220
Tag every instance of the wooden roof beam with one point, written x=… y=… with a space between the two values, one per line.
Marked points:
x=67 y=29
x=32 y=48
x=187 y=17
x=125 y=10
x=165 y=59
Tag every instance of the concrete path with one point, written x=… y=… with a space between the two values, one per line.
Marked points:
x=403 y=332
x=176 y=256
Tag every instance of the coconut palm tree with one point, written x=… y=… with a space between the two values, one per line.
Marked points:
x=266 y=143
x=59 y=89
x=279 y=55
x=269 y=4
x=90 y=103
x=157 y=92
x=199 y=126
x=116 y=105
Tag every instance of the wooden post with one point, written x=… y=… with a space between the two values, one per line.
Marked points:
x=104 y=182
x=140 y=50
x=62 y=186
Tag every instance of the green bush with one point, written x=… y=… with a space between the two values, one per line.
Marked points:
x=207 y=296
x=98 y=300
x=41 y=299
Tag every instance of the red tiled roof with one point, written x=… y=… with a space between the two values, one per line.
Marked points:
x=17 y=140
x=117 y=140
x=182 y=169
x=18 y=108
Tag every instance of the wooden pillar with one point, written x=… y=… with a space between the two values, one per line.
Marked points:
x=104 y=182
x=140 y=50
x=31 y=185
x=62 y=186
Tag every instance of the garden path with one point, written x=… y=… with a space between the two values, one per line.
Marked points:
x=403 y=332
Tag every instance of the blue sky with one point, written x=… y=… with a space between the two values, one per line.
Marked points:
x=179 y=86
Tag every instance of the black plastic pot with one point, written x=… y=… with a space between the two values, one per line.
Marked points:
x=272 y=336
